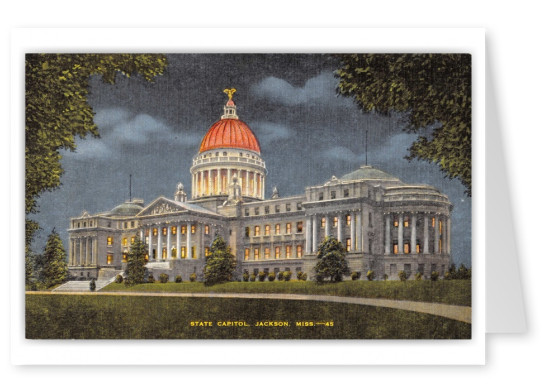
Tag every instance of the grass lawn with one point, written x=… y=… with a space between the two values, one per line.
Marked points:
x=448 y=292
x=129 y=317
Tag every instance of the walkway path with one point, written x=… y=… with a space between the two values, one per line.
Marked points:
x=456 y=312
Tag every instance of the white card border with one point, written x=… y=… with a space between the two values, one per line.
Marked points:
x=257 y=352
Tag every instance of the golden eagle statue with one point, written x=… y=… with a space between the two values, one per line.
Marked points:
x=230 y=92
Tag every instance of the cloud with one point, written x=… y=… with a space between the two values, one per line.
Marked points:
x=320 y=89
x=343 y=154
x=270 y=131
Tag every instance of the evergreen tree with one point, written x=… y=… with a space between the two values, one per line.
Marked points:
x=54 y=266
x=220 y=263
x=332 y=262
x=136 y=261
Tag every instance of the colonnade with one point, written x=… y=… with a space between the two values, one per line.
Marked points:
x=216 y=181
x=184 y=245
x=441 y=232
x=315 y=222
x=83 y=251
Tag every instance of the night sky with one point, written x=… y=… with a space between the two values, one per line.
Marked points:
x=307 y=133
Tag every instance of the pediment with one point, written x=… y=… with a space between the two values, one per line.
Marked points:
x=161 y=206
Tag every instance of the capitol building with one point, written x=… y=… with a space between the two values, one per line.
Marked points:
x=385 y=224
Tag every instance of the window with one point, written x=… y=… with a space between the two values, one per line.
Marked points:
x=124 y=256
x=247 y=254
x=320 y=196
x=207 y=251
x=247 y=232
x=406 y=222
x=348 y=244
x=125 y=225
x=164 y=231
x=421 y=268
x=418 y=248
x=154 y=253
x=256 y=230
x=277 y=229
x=406 y=248
x=164 y=253
x=109 y=240
x=246 y=211
x=206 y=229
x=395 y=248
x=132 y=239
x=288 y=250
x=288 y=228
x=395 y=222
x=266 y=230
x=184 y=229
x=78 y=225
x=370 y=246
x=147 y=257
x=433 y=221
x=266 y=210
x=299 y=206
x=193 y=229
x=267 y=253
x=173 y=230
x=277 y=252
x=256 y=211
x=440 y=226
x=370 y=220
x=108 y=224
x=125 y=241
x=333 y=194
x=132 y=224
x=299 y=251
x=109 y=259
x=193 y=252
x=84 y=224
x=346 y=193
x=348 y=219
x=277 y=208
x=154 y=231
x=256 y=252
x=335 y=221
x=322 y=222
x=299 y=227
x=288 y=207
x=183 y=252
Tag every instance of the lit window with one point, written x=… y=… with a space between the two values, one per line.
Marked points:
x=440 y=226
x=164 y=253
x=256 y=251
x=395 y=248
x=256 y=230
x=193 y=252
x=109 y=240
x=267 y=253
x=173 y=253
x=154 y=231
x=173 y=230
x=125 y=241
x=288 y=228
x=109 y=259
x=406 y=222
x=277 y=252
x=299 y=227
x=433 y=220
x=395 y=222
x=333 y=194
x=335 y=221
x=193 y=229
x=348 y=219
x=164 y=231
x=206 y=229
x=184 y=229
x=277 y=229
x=266 y=230
x=299 y=251
x=207 y=251
x=348 y=244
x=288 y=250
x=124 y=256
x=132 y=239
x=247 y=254
x=322 y=222
x=183 y=252
x=147 y=257
x=418 y=248
x=406 y=248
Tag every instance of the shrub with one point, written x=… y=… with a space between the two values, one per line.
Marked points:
x=163 y=278
x=434 y=276
x=93 y=284
x=447 y=276
x=150 y=279
x=402 y=275
x=319 y=278
x=280 y=276
x=287 y=276
x=261 y=276
x=118 y=279
x=299 y=275
x=371 y=275
x=304 y=276
x=418 y=276
x=385 y=277
x=193 y=277
x=252 y=277
x=271 y=276
x=245 y=277
x=178 y=278
x=355 y=276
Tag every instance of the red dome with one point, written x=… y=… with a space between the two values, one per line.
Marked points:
x=230 y=133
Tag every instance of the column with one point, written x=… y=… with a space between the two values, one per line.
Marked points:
x=141 y=235
x=263 y=184
x=401 y=233
x=387 y=234
x=359 y=242
x=413 y=244
x=95 y=252
x=315 y=234
x=150 y=243
x=70 y=251
x=436 y=235
x=426 y=234
x=179 y=241
x=246 y=189
x=86 y=261
x=339 y=228
x=219 y=182
x=80 y=251
x=327 y=225
x=188 y=239
x=308 y=248
x=254 y=184
x=168 y=235
x=204 y=183
x=201 y=249
x=159 y=243
x=448 y=233
x=240 y=179
x=229 y=179
x=353 y=231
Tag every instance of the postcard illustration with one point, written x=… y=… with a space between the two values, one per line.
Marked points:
x=248 y=196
